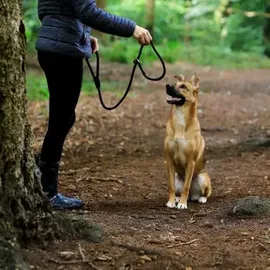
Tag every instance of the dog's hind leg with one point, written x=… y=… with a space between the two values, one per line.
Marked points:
x=204 y=182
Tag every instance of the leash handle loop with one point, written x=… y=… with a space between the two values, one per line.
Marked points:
x=161 y=61
x=136 y=63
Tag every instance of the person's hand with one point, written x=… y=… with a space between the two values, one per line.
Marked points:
x=142 y=35
x=94 y=44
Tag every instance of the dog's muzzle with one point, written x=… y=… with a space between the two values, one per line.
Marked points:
x=174 y=97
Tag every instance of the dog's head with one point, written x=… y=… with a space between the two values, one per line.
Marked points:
x=183 y=91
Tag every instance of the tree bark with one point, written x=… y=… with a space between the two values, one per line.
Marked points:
x=24 y=211
x=267 y=31
x=150 y=16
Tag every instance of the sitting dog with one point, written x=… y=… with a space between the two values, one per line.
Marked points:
x=184 y=146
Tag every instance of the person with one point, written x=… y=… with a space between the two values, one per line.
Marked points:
x=64 y=40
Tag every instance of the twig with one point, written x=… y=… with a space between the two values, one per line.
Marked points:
x=200 y=215
x=81 y=252
x=84 y=259
x=136 y=249
x=93 y=266
x=169 y=264
x=69 y=172
x=183 y=244
x=264 y=247
x=104 y=179
x=67 y=262
x=76 y=262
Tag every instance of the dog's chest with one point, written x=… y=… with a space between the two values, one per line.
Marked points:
x=180 y=142
x=178 y=149
x=179 y=118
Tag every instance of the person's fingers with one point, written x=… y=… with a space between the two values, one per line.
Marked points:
x=142 y=40
x=146 y=39
x=149 y=36
x=142 y=35
x=96 y=47
x=93 y=47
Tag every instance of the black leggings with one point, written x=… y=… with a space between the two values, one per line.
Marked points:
x=64 y=78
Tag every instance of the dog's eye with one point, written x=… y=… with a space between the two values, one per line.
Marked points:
x=184 y=87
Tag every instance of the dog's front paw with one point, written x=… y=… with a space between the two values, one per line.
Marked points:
x=202 y=200
x=170 y=204
x=182 y=206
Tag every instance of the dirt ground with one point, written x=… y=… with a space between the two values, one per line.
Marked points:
x=114 y=162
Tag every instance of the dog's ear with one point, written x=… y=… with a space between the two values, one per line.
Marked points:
x=179 y=77
x=195 y=81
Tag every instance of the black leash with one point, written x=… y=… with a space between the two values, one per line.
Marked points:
x=136 y=63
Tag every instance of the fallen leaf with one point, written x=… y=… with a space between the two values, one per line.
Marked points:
x=67 y=254
x=103 y=258
x=146 y=258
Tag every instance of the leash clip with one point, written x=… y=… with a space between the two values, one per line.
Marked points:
x=136 y=61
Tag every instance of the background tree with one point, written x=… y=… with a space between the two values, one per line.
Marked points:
x=222 y=14
x=23 y=209
x=267 y=30
x=101 y=4
x=150 y=15
x=101 y=36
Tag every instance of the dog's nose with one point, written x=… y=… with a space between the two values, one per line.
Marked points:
x=169 y=89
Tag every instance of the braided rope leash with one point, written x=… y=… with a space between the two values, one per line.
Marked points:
x=136 y=63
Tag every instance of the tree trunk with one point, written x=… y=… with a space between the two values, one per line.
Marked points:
x=24 y=212
x=267 y=31
x=222 y=16
x=101 y=4
x=150 y=16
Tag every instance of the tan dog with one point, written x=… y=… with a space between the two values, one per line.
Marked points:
x=184 y=145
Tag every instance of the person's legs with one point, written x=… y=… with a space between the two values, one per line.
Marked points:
x=64 y=78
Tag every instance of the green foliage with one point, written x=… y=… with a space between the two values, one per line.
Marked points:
x=223 y=57
x=245 y=33
x=169 y=16
x=36 y=85
x=31 y=21
x=197 y=31
x=194 y=22
x=202 y=54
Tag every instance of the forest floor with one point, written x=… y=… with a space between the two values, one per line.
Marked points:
x=114 y=162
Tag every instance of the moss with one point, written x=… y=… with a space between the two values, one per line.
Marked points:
x=10 y=257
x=75 y=227
x=253 y=206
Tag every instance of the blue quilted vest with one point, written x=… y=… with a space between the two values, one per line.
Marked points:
x=66 y=26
